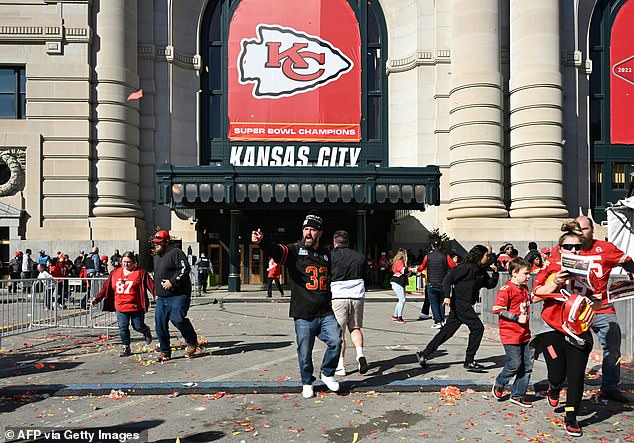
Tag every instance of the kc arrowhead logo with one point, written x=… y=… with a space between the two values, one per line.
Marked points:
x=625 y=69
x=283 y=62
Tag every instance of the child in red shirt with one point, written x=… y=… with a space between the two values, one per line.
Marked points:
x=512 y=304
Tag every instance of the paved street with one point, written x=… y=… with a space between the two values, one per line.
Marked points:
x=74 y=378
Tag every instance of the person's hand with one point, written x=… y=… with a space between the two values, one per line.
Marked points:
x=494 y=267
x=94 y=301
x=561 y=277
x=522 y=319
x=166 y=284
x=256 y=236
x=596 y=303
x=447 y=301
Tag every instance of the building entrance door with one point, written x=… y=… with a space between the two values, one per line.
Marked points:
x=215 y=257
x=256 y=265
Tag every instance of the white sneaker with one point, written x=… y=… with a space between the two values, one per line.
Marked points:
x=436 y=326
x=307 y=391
x=341 y=372
x=330 y=382
x=424 y=317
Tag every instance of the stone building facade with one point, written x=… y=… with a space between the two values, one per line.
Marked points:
x=497 y=94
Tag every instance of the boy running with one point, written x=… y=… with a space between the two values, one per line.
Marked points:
x=512 y=305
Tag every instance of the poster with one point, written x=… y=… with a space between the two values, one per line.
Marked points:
x=294 y=71
x=622 y=76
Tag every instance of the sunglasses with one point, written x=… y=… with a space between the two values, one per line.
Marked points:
x=571 y=246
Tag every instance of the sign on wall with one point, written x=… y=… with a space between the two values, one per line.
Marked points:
x=294 y=71
x=622 y=76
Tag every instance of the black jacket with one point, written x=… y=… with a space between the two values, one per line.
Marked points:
x=347 y=264
x=172 y=265
x=467 y=280
x=309 y=271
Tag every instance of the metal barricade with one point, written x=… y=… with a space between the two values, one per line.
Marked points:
x=624 y=313
x=30 y=304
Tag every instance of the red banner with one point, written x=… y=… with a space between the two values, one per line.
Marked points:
x=294 y=71
x=622 y=77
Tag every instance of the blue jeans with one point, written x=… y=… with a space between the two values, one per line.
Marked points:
x=606 y=326
x=327 y=330
x=519 y=363
x=436 y=296
x=138 y=324
x=400 y=293
x=174 y=309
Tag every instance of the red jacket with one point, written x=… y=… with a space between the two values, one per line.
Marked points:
x=147 y=284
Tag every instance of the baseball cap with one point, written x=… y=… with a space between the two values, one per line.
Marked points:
x=17 y=253
x=545 y=251
x=161 y=236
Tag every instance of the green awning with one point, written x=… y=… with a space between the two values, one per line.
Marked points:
x=226 y=187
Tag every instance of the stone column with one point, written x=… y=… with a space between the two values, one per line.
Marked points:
x=536 y=107
x=476 y=158
x=117 y=120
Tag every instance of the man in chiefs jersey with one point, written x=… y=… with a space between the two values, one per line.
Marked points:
x=605 y=257
x=308 y=267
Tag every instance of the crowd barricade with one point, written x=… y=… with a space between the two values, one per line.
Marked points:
x=624 y=312
x=30 y=304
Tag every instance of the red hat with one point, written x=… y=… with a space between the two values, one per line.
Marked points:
x=545 y=251
x=17 y=253
x=104 y=257
x=161 y=236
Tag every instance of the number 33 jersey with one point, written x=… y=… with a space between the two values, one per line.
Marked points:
x=309 y=271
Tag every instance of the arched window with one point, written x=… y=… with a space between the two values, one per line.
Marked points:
x=215 y=144
x=611 y=83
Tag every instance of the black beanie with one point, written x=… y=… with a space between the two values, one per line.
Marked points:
x=313 y=220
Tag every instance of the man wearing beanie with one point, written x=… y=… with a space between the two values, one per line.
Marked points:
x=308 y=267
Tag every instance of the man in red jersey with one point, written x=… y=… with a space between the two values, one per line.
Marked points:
x=605 y=257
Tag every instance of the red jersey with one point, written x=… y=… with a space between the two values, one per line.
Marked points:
x=274 y=269
x=605 y=257
x=516 y=300
x=127 y=291
x=503 y=260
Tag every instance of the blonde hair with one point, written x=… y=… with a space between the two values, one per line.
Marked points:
x=570 y=229
x=401 y=254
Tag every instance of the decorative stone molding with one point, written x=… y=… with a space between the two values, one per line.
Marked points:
x=169 y=54
x=15 y=159
x=421 y=58
x=44 y=34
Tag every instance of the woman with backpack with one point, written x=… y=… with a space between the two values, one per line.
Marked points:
x=563 y=335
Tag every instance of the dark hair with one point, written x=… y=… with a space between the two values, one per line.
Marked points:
x=517 y=264
x=532 y=245
x=436 y=242
x=476 y=253
x=341 y=237
x=130 y=255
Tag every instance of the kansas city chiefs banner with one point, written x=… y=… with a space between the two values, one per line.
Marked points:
x=622 y=76
x=294 y=71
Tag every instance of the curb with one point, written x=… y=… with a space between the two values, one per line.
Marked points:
x=61 y=390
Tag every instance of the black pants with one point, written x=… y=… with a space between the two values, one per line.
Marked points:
x=457 y=317
x=202 y=279
x=566 y=361
x=425 y=308
x=269 y=290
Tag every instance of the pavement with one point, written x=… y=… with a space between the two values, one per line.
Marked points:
x=247 y=346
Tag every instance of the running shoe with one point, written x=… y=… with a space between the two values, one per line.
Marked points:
x=307 y=391
x=125 y=352
x=363 y=365
x=436 y=326
x=148 y=337
x=424 y=316
x=497 y=391
x=190 y=350
x=573 y=429
x=473 y=366
x=521 y=401
x=553 y=396
x=422 y=360
x=330 y=382
x=400 y=320
x=394 y=317
x=341 y=372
